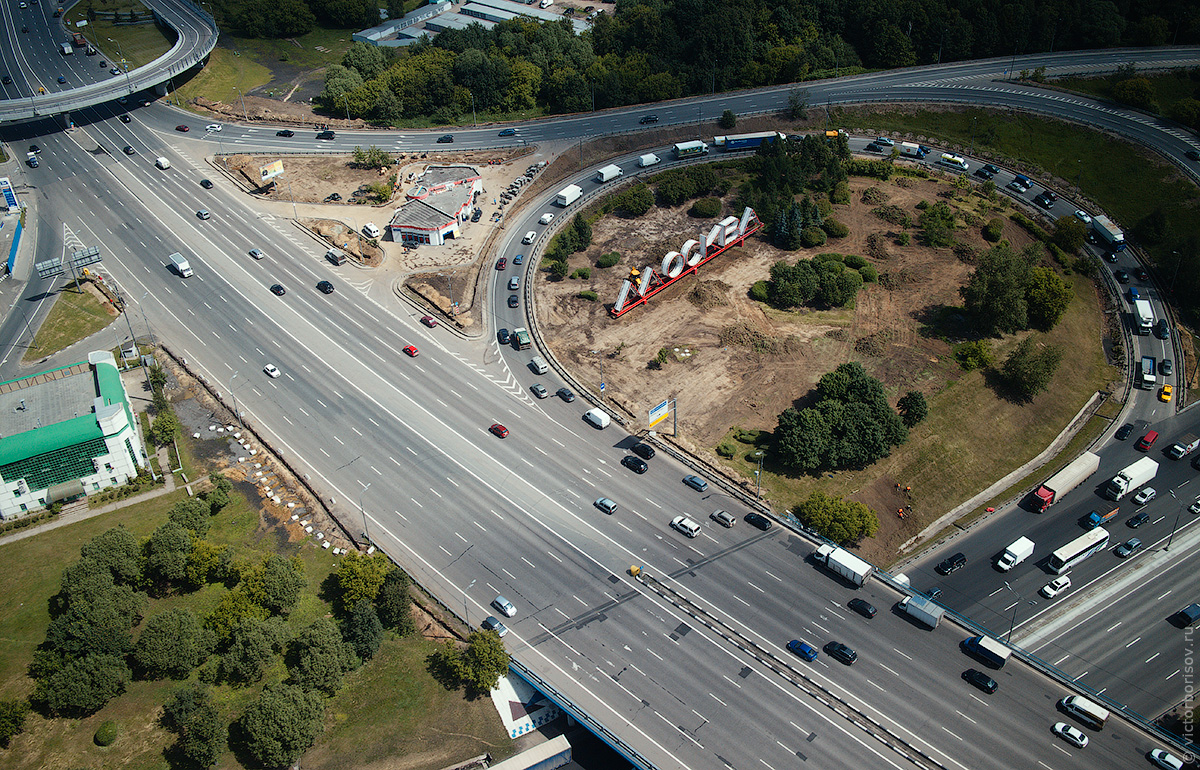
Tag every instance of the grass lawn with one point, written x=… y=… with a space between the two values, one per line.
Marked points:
x=1169 y=87
x=390 y=709
x=137 y=45
x=75 y=316
x=221 y=78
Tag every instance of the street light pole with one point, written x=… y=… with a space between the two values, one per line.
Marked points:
x=465 y=590
x=758 y=476
x=243 y=96
x=363 y=510
x=1175 y=526
x=124 y=64
x=236 y=412
x=474 y=122
x=598 y=353
x=1012 y=624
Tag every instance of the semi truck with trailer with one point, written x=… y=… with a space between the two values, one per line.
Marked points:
x=1076 y=472
x=1131 y=477
x=522 y=337
x=735 y=142
x=844 y=563
x=987 y=649
x=568 y=195
x=1020 y=550
x=1108 y=232
x=1148 y=379
x=910 y=150
x=922 y=609
x=609 y=173
x=649 y=159
x=1144 y=315
x=1183 y=447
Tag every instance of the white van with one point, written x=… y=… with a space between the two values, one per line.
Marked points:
x=597 y=417
x=370 y=230
x=538 y=364
x=162 y=163
x=1091 y=714
x=529 y=236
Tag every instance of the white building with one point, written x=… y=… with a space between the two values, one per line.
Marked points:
x=439 y=201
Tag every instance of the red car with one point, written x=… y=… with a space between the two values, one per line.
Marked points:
x=429 y=321
x=411 y=350
x=499 y=430
x=182 y=128
x=501 y=263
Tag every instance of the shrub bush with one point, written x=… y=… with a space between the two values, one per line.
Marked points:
x=903 y=239
x=608 y=260
x=705 y=208
x=726 y=449
x=835 y=229
x=589 y=295
x=854 y=261
x=993 y=230
x=812 y=236
x=759 y=292
x=106 y=734
x=869 y=274
x=840 y=194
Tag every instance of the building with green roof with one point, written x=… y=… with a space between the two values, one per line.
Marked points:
x=66 y=433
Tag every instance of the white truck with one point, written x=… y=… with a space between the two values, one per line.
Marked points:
x=568 y=195
x=1144 y=315
x=1108 y=232
x=1131 y=477
x=1020 y=550
x=910 y=150
x=1148 y=367
x=1183 y=447
x=597 y=417
x=922 y=609
x=1076 y=472
x=648 y=159
x=65 y=48
x=994 y=652
x=180 y=264
x=844 y=563
x=609 y=173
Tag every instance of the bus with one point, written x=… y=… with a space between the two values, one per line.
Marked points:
x=1078 y=549
x=1091 y=714
x=690 y=149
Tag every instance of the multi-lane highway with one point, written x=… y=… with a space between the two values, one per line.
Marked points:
x=690 y=667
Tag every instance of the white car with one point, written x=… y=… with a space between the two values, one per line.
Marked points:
x=1084 y=217
x=257 y=253
x=1056 y=587
x=1194 y=507
x=1071 y=735
x=1165 y=760
x=213 y=127
x=547 y=218
x=271 y=371
x=883 y=141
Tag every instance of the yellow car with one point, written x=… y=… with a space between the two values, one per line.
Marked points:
x=1164 y=395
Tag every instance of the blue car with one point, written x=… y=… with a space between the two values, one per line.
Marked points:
x=803 y=650
x=519 y=259
x=61 y=79
x=508 y=132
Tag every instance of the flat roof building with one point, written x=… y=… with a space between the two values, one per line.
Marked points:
x=439 y=201
x=65 y=433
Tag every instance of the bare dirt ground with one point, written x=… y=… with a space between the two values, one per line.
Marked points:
x=733 y=361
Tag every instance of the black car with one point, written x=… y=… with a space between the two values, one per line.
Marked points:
x=980 y=680
x=841 y=652
x=1110 y=256
x=983 y=173
x=565 y=394
x=758 y=521
x=635 y=464
x=129 y=150
x=206 y=184
x=103 y=64
x=476 y=215
x=1046 y=199
x=1121 y=276
x=124 y=118
x=1123 y=432
x=326 y=287
x=513 y=300
x=503 y=336
x=872 y=147
x=861 y=607
x=648 y=119
x=6 y=80
x=1137 y=520
x=508 y=132
x=285 y=132
x=1141 y=274
x=327 y=135
x=446 y=139
x=951 y=563
x=993 y=170
x=1192 y=155
x=278 y=290
x=644 y=451
x=34 y=149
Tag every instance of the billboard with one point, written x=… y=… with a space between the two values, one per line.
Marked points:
x=270 y=171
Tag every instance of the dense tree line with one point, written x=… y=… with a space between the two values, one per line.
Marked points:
x=650 y=51
x=1008 y=292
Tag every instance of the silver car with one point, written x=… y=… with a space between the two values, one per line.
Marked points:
x=724 y=518
x=506 y=608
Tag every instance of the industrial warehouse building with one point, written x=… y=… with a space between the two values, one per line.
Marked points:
x=439 y=201
x=66 y=432
x=440 y=16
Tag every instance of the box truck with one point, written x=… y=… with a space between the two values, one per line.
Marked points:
x=648 y=159
x=180 y=264
x=1020 y=550
x=922 y=609
x=522 y=336
x=1076 y=472
x=844 y=563
x=608 y=173
x=1183 y=447
x=1147 y=378
x=1144 y=315
x=1131 y=477
x=568 y=195
x=690 y=149
x=1108 y=232
x=910 y=150
x=991 y=651
x=1095 y=518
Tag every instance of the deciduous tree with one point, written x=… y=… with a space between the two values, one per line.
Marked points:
x=318 y=658
x=282 y=724
x=1048 y=297
x=171 y=645
x=842 y=521
x=1029 y=368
